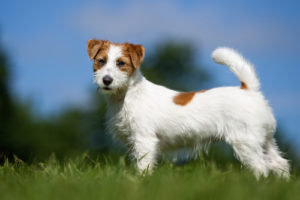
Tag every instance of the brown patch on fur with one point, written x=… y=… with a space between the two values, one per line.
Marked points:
x=183 y=98
x=244 y=86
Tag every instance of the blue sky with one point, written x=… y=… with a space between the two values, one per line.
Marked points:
x=46 y=41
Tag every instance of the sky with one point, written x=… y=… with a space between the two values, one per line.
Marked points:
x=46 y=43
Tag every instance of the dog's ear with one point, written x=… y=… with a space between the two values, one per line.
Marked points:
x=137 y=53
x=93 y=47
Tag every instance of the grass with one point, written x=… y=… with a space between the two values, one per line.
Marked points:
x=85 y=178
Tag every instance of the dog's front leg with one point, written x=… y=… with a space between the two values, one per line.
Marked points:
x=145 y=150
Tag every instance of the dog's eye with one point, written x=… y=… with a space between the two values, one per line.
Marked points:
x=120 y=63
x=101 y=61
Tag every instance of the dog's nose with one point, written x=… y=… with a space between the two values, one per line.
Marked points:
x=107 y=80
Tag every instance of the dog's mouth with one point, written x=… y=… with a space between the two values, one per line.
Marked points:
x=103 y=88
x=106 y=88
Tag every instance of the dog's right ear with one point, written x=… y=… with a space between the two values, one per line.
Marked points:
x=93 y=47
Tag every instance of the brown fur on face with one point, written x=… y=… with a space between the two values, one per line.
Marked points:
x=94 y=46
x=135 y=52
x=133 y=55
x=97 y=50
x=127 y=67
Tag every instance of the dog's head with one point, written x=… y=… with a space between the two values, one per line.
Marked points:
x=114 y=64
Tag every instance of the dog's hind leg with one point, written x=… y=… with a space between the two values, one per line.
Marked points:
x=251 y=153
x=274 y=160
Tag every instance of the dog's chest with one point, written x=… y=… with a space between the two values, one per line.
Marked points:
x=120 y=125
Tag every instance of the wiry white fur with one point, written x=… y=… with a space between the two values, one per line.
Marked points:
x=144 y=116
x=243 y=69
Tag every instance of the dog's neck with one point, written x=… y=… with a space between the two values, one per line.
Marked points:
x=116 y=100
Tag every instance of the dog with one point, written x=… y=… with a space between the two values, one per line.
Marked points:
x=151 y=119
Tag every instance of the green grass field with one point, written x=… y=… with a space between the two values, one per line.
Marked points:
x=85 y=178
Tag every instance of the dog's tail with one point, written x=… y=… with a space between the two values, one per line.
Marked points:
x=239 y=66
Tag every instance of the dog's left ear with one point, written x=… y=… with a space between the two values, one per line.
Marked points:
x=93 y=47
x=137 y=53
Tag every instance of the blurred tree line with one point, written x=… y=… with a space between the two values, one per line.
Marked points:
x=30 y=137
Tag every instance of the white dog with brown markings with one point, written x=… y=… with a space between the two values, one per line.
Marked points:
x=150 y=118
